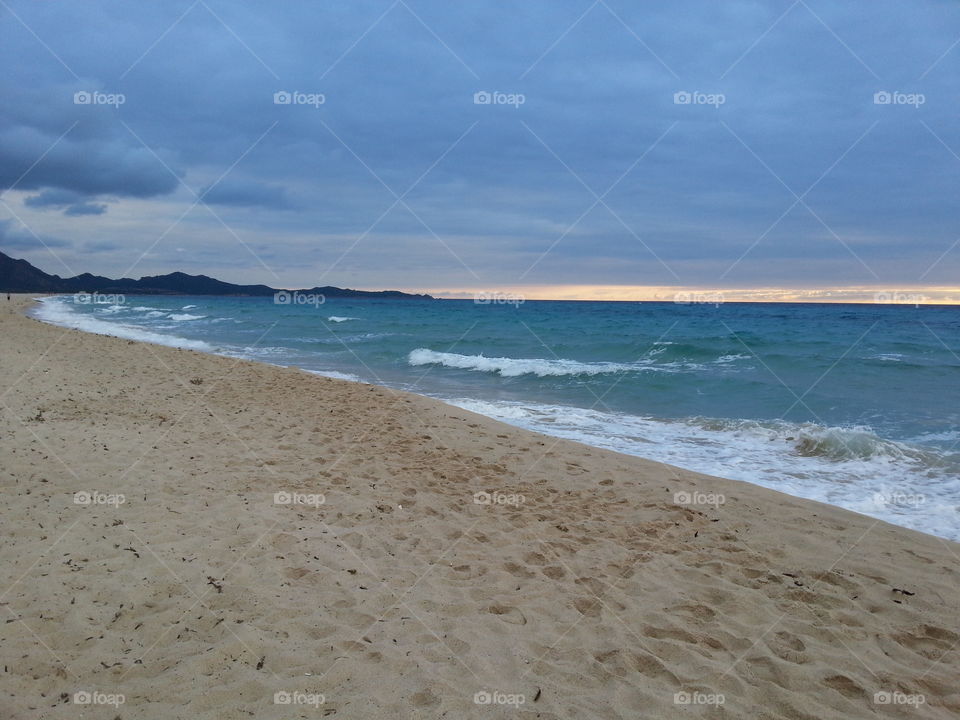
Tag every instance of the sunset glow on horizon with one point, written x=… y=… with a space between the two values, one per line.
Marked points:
x=938 y=295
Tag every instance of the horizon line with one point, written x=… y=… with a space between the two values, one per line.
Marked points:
x=705 y=295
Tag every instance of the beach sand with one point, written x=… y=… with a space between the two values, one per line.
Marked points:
x=587 y=589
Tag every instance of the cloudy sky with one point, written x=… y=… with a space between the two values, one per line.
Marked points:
x=562 y=147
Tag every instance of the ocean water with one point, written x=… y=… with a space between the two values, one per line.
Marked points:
x=852 y=405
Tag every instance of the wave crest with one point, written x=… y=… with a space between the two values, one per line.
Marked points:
x=514 y=367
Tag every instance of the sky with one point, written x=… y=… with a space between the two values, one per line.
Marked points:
x=589 y=149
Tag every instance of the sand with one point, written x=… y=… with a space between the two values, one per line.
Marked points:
x=376 y=586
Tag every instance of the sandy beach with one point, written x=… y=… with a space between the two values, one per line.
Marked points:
x=194 y=536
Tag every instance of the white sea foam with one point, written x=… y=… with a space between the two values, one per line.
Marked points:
x=53 y=310
x=724 y=359
x=848 y=467
x=946 y=436
x=546 y=367
x=188 y=307
x=340 y=319
x=888 y=357
x=514 y=367
x=180 y=317
x=336 y=375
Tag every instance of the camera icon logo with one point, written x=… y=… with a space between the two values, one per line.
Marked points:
x=482 y=698
x=282 y=498
x=82 y=97
x=682 y=97
x=282 y=698
x=82 y=498
x=681 y=698
x=482 y=98
x=281 y=298
x=482 y=498
x=282 y=97
x=882 y=97
x=682 y=498
x=82 y=698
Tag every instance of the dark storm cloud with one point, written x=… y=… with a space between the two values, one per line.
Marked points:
x=85 y=209
x=836 y=135
x=49 y=141
x=53 y=198
x=71 y=203
x=242 y=193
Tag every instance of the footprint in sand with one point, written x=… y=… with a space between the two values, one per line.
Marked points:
x=845 y=686
x=789 y=647
x=508 y=614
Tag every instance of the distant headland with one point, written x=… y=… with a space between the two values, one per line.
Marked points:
x=21 y=277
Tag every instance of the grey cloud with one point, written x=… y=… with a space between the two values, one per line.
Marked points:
x=18 y=238
x=71 y=203
x=246 y=193
x=85 y=209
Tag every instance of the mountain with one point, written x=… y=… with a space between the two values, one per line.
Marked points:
x=22 y=277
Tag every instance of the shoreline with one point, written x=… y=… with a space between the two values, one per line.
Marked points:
x=583 y=583
x=738 y=449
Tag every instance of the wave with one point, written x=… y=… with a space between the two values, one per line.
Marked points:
x=339 y=319
x=835 y=444
x=185 y=316
x=514 y=367
x=188 y=307
x=57 y=312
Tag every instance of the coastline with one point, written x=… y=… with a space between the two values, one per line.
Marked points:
x=584 y=584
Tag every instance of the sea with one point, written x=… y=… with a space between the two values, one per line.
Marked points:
x=851 y=405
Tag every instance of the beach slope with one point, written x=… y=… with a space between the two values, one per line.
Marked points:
x=193 y=536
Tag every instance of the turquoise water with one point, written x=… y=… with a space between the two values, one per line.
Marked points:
x=854 y=405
